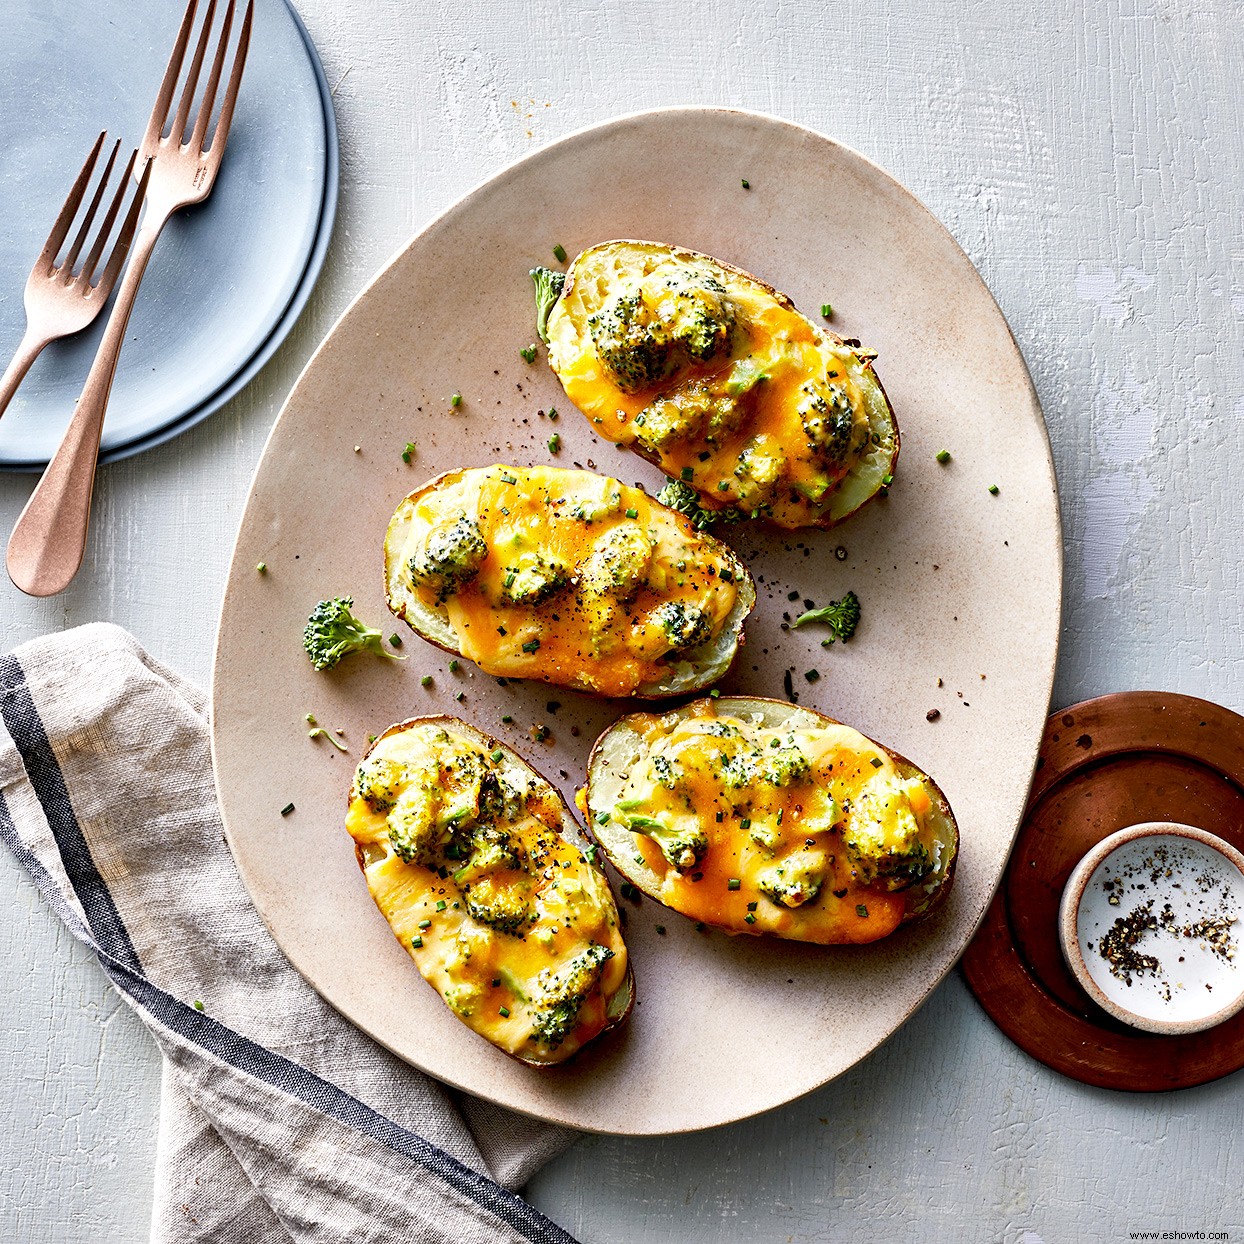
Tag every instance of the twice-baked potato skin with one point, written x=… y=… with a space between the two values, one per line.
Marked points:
x=756 y=816
x=485 y=878
x=716 y=378
x=568 y=577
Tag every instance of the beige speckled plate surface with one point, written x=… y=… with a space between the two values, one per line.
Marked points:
x=957 y=585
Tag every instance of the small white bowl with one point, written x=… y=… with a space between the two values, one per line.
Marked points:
x=1187 y=973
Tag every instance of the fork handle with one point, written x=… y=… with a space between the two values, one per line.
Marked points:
x=29 y=350
x=49 y=538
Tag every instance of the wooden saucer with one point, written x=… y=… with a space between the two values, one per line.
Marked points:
x=1106 y=763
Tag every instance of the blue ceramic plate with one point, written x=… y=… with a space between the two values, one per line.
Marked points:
x=228 y=278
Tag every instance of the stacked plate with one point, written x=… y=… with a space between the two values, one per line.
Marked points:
x=229 y=278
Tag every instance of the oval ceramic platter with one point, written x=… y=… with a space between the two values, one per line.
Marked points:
x=960 y=591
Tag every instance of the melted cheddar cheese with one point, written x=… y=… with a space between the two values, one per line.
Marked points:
x=809 y=833
x=566 y=576
x=513 y=926
x=765 y=416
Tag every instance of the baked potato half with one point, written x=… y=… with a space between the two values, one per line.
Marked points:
x=568 y=577
x=716 y=378
x=755 y=816
x=486 y=880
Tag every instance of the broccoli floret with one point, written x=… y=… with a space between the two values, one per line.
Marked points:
x=683 y=498
x=376 y=781
x=794 y=880
x=641 y=336
x=618 y=565
x=738 y=769
x=414 y=829
x=882 y=836
x=549 y=285
x=685 y=626
x=841 y=616
x=828 y=421
x=761 y=464
x=532 y=579
x=499 y=800
x=462 y=996
x=677 y=417
x=635 y=351
x=560 y=994
x=452 y=556
x=503 y=904
x=664 y=771
x=333 y=632
x=486 y=848
x=683 y=848
x=784 y=766
x=766 y=835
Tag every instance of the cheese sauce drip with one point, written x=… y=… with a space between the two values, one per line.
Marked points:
x=762 y=412
x=809 y=833
x=567 y=576
x=510 y=923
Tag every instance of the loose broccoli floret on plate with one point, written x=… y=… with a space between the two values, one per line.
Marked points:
x=841 y=616
x=559 y=995
x=333 y=632
x=549 y=284
x=452 y=556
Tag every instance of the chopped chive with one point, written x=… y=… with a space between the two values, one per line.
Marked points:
x=827 y=311
x=886 y=480
x=721 y=816
x=861 y=910
x=752 y=906
x=504 y=1012
x=425 y=924
x=590 y=854
x=198 y=1005
x=747 y=185
x=459 y=696
x=261 y=568
x=559 y=252
x=528 y=353
x=417 y=943
x=723 y=485
x=454 y=666
x=661 y=929
x=532 y=645
x=877 y=762
x=943 y=455
x=715 y=694
x=456 y=399
x=686 y=473
x=749 y=918
x=812 y=675
x=409 y=452
x=507 y=478
x=553 y=413
x=994 y=490
x=507 y=719
x=440 y=904
x=746 y=822
x=555 y=443
x=395 y=639
x=497 y=755
x=632 y=513
x=733 y=884
x=426 y=680
x=287 y=809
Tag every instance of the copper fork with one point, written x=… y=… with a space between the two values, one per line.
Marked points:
x=49 y=538
x=59 y=300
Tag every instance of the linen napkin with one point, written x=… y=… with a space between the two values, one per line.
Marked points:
x=279 y=1121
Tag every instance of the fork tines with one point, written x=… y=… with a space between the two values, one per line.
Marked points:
x=47 y=266
x=160 y=114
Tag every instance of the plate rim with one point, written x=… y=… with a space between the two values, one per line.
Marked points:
x=1047 y=668
x=283 y=325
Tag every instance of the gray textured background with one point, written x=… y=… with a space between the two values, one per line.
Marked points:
x=1090 y=159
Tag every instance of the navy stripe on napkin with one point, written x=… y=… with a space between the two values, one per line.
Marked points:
x=119 y=959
